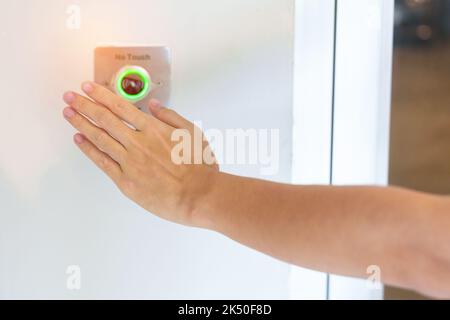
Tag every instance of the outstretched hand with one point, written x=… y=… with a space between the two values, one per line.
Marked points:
x=135 y=150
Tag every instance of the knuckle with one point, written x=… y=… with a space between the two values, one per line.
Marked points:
x=140 y=120
x=118 y=103
x=127 y=186
x=80 y=103
x=149 y=123
x=102 y=95
x=132 y=140
x=101 y=116
x=99 y=137
x=127 y=135
x=106 y=164
x=76 y=120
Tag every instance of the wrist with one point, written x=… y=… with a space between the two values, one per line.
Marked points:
x=200 y=198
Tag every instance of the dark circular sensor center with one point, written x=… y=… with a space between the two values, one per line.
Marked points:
x=132 y=84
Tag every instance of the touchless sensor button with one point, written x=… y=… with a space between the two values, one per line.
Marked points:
x=133 y=83
x=136 y=74
x=132 y=86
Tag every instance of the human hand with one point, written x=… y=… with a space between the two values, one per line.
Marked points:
x=138 y=156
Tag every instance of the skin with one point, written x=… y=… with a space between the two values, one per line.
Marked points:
x=340 y=230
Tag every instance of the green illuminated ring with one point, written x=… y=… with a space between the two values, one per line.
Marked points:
x=142 y=73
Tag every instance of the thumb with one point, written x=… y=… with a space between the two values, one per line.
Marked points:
x=168 y=116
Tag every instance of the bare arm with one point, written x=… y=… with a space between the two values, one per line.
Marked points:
x=331 y=229
x=340 y=230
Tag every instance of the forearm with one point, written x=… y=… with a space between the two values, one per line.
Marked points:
x=340 y=230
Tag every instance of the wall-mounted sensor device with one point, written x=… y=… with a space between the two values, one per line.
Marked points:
x=137 y=74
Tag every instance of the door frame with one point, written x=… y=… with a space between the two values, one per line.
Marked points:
x=342 y=99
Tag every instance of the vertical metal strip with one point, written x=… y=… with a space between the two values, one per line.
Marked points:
x=336 y=3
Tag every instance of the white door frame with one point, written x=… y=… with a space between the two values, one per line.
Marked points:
x=313 y=114
x=342 y=93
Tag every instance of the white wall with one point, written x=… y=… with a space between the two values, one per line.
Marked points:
x=232 y=63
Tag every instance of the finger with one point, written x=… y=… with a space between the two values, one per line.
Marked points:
x=101 y=159
x=97 y=136
x=168 y=116
x=120 y=107
x=176 y=121
x=104 y=118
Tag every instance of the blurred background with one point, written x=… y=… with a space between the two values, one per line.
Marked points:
x=420 y=128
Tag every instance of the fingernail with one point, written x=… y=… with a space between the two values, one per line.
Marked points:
x=87 y=87
x=69 y=97
x=68 y=113
x=78 y=138
x=155 y=104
